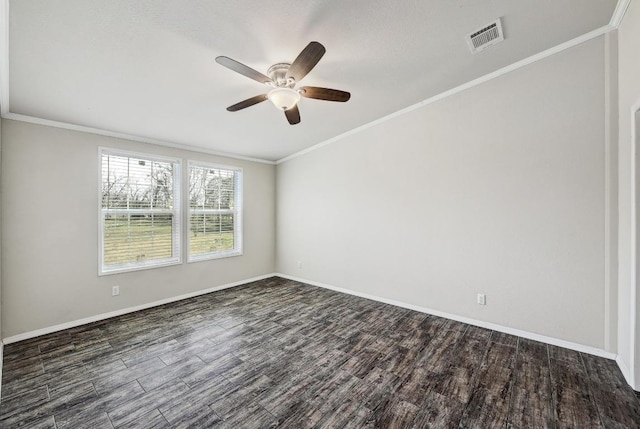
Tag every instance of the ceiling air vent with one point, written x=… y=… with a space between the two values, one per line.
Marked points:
x=486 y=36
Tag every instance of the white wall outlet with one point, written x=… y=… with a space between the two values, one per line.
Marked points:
x=115 y=291
x=482 y=299
x=299 y=264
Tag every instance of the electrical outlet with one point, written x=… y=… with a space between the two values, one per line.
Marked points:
x=115 y=291
x=482 y=299
x=299 y=264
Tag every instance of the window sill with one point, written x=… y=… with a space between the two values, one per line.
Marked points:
x=210 y=257
x=127 y=269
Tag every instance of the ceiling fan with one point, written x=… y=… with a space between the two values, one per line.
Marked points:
x=282 y=78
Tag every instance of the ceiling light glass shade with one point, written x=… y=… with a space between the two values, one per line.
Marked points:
x=284 y=98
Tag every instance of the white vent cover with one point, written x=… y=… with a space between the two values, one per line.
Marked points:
x=486 y=36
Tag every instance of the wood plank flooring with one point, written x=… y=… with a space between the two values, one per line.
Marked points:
x=277 y=353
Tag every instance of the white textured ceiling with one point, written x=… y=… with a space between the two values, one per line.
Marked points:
x=146 y=68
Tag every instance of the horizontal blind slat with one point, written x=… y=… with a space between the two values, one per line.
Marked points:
x=137 y=238
x=131 y=182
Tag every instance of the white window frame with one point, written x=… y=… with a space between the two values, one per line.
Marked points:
x=176 y=212
x=237 y=212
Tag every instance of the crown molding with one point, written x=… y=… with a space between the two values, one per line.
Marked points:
x=616 y=19
x=507 y=69
x=98 y=131
x=6 y=113
x=618 y=13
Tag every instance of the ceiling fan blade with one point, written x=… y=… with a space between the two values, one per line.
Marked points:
x=307 y=60
x=247 y=103
x=327 y=94
x=293 y=115
x=242 y=69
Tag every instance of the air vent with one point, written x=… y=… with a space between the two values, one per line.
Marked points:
x=486 y=36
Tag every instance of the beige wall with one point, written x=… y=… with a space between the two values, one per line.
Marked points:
x=50 y=236
x=498 y=190
x=629 y=94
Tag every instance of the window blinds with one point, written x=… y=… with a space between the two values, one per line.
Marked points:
x=138 y=212
x=213 y=212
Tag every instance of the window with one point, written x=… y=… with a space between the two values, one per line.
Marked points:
x=215 y=211
x=139 y=211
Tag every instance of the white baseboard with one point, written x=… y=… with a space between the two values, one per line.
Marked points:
x=626 y=372
x=1 y=362
x=79 y=322
x=494 y=327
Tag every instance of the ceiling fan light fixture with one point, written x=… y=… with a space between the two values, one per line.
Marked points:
x=284 y=98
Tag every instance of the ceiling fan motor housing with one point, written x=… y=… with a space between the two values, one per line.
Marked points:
x=278 y=73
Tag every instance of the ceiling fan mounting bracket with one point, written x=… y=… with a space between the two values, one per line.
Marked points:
x=278 y=74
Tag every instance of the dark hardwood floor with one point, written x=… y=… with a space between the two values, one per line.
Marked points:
x=277 y=353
